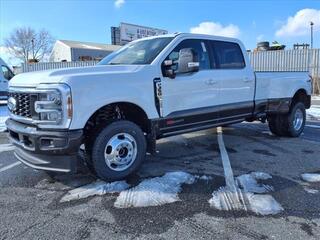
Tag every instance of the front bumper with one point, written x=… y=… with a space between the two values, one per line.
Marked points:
x=44 y=149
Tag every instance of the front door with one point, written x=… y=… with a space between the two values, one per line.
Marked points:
x=190 y=93
x=190 y=100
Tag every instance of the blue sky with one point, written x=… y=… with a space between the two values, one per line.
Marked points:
x=90 y=20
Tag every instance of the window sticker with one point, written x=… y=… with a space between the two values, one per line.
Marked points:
x=203 y=47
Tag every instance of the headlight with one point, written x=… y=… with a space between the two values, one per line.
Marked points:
x=49 y=106
x=54 y=106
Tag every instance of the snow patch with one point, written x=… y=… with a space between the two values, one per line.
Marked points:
x=226 y=199
x=313 y=112
x=248 y=182
x=6 y=147
x=247 y=196
x=315 y=97
x=203 y=177
x=264 y=204
x=155 y=191
x=310 y=190
x=96 y=188
x=311 y=177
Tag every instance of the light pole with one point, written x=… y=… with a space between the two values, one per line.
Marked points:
x=32 y=42
x=311 y=25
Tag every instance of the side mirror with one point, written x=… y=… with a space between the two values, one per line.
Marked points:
x=7 y=75
x=187 y=61
x=168 y=69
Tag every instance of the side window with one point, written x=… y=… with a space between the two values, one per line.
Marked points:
x=7 y=74
x=198 y=46
x=228 y=54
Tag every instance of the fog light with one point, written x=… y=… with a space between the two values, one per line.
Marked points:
x=52 y=143
x=50 y=116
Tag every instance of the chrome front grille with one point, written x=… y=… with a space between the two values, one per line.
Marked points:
x=24 y=104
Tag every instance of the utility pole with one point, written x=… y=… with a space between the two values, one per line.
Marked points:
x=311 y=43
x=32 y=42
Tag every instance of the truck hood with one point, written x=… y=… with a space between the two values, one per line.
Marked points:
x=33 y=79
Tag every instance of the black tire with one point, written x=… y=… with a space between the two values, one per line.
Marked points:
x=99 y=164
x=273 y=125
x=284 y=125
x=276 y=125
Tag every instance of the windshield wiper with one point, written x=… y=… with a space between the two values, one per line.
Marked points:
x=114 y=63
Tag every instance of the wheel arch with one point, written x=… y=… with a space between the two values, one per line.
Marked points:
x=301 y=95
x=118 y=110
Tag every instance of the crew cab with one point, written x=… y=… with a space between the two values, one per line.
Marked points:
x=149 y=89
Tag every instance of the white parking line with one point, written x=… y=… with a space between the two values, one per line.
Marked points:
x=244 y=193
x=313 y=126
x=6 y=147
x=230 y=182
x=9 y=166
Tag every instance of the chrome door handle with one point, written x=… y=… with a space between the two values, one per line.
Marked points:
x=211 y=82
x=246 y=79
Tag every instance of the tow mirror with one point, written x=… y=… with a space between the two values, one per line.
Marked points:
x=187 y=61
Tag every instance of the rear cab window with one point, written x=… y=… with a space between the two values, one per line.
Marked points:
x=227 y=54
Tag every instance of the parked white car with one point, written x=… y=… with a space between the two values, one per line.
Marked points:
x=149 y=89
x=5 y=75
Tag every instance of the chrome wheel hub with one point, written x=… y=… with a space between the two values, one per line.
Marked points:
x=120 y=152
x=298 y=120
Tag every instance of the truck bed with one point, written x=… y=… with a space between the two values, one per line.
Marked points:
x=272 y=85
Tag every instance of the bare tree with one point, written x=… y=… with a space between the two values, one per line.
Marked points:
x=29 y=45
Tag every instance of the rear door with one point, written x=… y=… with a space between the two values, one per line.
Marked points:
x=236 y=80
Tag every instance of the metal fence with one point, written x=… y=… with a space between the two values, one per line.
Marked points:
x=289 y=60
x=31 y=67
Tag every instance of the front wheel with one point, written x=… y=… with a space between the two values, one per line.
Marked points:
x=118 y=150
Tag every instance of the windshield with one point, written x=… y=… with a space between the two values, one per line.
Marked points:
x=141 y=52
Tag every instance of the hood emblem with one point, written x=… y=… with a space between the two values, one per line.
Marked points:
x=12 y=104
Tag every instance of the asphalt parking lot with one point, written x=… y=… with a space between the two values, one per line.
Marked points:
x=31 y=207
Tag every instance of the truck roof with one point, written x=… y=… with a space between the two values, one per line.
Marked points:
x=193 y=35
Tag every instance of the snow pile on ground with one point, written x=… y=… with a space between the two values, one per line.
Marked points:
x=264 y=204
x=155 y=191
x=96 y=188
x=311 y=177
x=248 y=182
x=313 y=112
x=3 y=117
x=6 y=147
x=310 y=190
x=246 y=194
x=315 y=97
x=203 y=177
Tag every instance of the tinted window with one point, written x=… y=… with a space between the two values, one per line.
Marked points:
x=200 y=49
x=229 y=55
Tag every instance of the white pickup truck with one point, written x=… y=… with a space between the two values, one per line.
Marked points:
x=149 y=89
